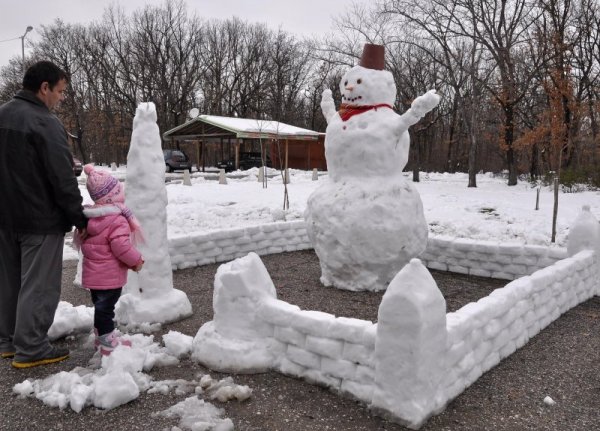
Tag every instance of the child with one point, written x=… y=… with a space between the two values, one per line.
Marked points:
x=107 y=253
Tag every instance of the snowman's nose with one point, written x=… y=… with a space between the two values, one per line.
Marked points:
x=349 y=87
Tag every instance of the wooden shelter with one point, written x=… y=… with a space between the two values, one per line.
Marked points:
x=213 y=139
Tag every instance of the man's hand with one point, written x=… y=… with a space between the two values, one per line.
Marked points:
x=83 y=233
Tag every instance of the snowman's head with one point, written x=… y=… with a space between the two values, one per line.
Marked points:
x=363 y=86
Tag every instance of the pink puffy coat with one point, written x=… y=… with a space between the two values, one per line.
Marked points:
x=107 y=251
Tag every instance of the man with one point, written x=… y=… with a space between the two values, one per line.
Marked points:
x=39 y=202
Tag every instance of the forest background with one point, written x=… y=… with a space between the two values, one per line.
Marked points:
x=519 y=79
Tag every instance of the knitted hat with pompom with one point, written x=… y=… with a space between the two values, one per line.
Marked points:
x=103 y=187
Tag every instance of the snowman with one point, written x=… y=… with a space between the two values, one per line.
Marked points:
x=366 y=220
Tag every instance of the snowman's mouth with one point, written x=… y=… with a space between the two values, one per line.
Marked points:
x=352 y=99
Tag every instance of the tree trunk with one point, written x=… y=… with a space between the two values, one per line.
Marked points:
x=509 y=129
x=417 y=160
x=472 y=159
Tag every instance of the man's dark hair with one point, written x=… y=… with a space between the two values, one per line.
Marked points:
x=43 y=71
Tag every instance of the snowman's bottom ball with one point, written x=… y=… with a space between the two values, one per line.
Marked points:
x=365 y=231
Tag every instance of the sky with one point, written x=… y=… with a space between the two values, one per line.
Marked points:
x=307 y=17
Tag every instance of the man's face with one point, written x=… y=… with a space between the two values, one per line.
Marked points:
x=52 y=97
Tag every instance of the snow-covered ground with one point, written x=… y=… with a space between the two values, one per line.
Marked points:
x=492 y=211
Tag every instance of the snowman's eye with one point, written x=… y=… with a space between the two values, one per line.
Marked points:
x=358 y=81
x=345 y=83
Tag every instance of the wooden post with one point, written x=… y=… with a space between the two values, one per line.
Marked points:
x=202 y=155
x=197 y=156
x=555 y=209
x=237 y=153
x=287 y=173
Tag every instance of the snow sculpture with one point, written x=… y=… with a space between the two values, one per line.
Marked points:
x=237 y=340
x=366 y=221
x=149 y=295
x=584 y=234
x=410 y=348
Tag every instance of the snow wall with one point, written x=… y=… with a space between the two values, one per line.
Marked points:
x=416 y=359
x=484 y=258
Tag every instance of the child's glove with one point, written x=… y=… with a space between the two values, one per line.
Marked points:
x=138 y=267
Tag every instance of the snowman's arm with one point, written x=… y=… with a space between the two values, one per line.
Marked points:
x=327 y=105
x=420 y=106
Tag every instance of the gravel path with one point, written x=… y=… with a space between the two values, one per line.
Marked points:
x=562 y=362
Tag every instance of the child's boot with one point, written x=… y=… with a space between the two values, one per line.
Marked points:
x=108 y=342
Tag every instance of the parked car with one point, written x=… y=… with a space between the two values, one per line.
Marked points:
x=247 y=160
x=251 y=160
x=228 y=165
x=77 y=166
x=176 y=160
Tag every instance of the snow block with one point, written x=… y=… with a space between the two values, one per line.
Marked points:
x=239 y=339
x=410 y=348
x=584 y=234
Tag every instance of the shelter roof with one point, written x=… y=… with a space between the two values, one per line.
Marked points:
x=208 y=126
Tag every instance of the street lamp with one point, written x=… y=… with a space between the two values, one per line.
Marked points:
x=27 y=30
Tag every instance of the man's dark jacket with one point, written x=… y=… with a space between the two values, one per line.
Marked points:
x=38 y=190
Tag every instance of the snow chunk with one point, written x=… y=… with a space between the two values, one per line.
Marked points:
x=178 y=344
x=197 y=415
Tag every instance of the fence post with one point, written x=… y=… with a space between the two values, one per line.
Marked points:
x=410 y=348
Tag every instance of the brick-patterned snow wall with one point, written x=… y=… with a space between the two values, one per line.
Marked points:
x=464 y=256
x=417 y=358
x=488 y=259
x=340 y=353
x=481 y=334
x=336 y=352
x=225 y=245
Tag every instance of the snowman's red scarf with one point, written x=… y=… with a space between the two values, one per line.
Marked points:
x=348 y=111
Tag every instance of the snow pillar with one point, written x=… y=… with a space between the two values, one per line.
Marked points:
x=187 y=181
x=237 y=340
x=113 y=166
x=261 y=175
x=149 y=296
x=222 y=177
x=410 y=348
x=584 y=234
x=315 y=174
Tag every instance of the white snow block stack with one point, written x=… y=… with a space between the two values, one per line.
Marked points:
x=222 y=177
x=584 y=234
x=149 y=296
x=238 y=339
x=410 y=348
x=187 y=181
